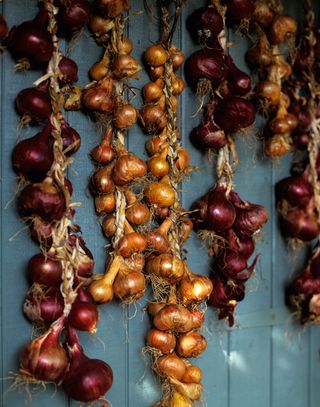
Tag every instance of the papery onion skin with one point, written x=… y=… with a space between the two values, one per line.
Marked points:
x=165 y=342
x=35 y=103
x=234 y=114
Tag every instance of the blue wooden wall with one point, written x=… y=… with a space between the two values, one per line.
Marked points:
x=266 y=360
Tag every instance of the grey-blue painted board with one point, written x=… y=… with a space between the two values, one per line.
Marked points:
x=266 y=360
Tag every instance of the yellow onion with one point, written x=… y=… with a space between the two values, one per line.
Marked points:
x=277 y=145
x=193 y=374
x=101 y=289
x=158 y=238
x=161 y=193
x=126 y=46
x=102 y=182
x=177 y=84
x=152 y=92
x=156 y=55
x=109 y=226
x=127 y=168
x=166 y=266
x=174 y=317
x=282 y=27
x=177 y=57
x=125 y=66
x=153 y=118
x=98 y=71
x=136 y=212
x=192 y=391
x=194 y=288
x=125 y=116
x=185 y=227
x=171 y=366
x=129 y=285
x=100 y=25
x=165 y=342
x=191 y=345
x=105 y=203
x=183 y=159
x=135 y=262
x=155 y=307
x=269 y=91
x=156 y=72
x=131 y=243
x=178 y=400
x=156 y=144
x=158 y=164
x=104 y=152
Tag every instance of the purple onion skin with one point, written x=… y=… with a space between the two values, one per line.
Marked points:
x=204 y=23
x=234 y=114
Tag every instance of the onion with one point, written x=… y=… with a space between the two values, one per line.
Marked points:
x=71 y=140
x=129 y=285
x=301 y=224
x=234 y=114
x=191 y=345
x=133 y=242
x=113 y=8
x=315 y=266
x=32 y=158
x=194 y=288
x=44 y=269
x=208 y=135
x=166 y=266
x=156 y=55
x=205 y=64
x=87 y=379
x=73 y=15
x=165 y=342
x=262 y=14
x=301 y=140
x=34 y=103
x=160 y=194
x=295 y=190
x=174 y=317
x=101 y=181
x=305 y=284
x=237 y=10
x=125 y=116
x=84 y=313
x=136 y=212
x=249 y=218
x=44 y=358
x=193 y=374
x=221 y=213
x=43 y=306
x=44 y=199
x=238 y=81
x=219 y=298
x=3 y=28
x=128 y=167
x=85 y=257
x=69 y=71
x=125 y=66
x=171 y=366
x=282 y=27
x=153 y=118
x=230 y=263
x=31 y=41
x=205 y=22
x=41 y=232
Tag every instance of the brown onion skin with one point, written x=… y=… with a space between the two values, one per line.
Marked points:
x=205 y=64
x=31 y=41
x=234 y=114
x=44 y=269
x=43 y=199
x=204 y=22
x=32 y=158
x=73 y=15
x=34 y=103
x=191 y=345
x=165 y=342
x=112 y=8
x=171 y=366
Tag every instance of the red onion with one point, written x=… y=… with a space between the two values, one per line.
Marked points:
x=71 y=139
x=243 y=245
x=44 y=358
x=234 y=114
x=237 y=10
x=315 y=266
x=32 y=158
x=295 y=190
x=44 y=199
x=3 y=28
x=235 y=291
x=34 y=103
x=301 y=140
x=230 y=263
x=250 y=218
x=44 y=269
x=68 y=185
x=31 y=41
x=69 y=71
x=87 y=379
x=204 y=23
x=221 y=213
x=86 y=262
x=199 y=210
x=301 y=224
x=208 y=135
x=219 y=299
x=41 y=232
x=84 y=313
x=43 y=306
x=205 y=64
x=73 y=15
x=238 y=81
x=305 y=284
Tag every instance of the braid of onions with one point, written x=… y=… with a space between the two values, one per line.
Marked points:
x=221 y=217
x=176 y=310
x=57 y=303
x=298 y=196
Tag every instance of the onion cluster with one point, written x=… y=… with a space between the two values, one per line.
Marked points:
x=272 y=28
x=233 y=223
x=303 y=293
x=212 y=72
x=57 y=299
x=117 y=169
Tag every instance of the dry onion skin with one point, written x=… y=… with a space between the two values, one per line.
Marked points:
x=221 y=217
x=175 y=310
x=57 y=302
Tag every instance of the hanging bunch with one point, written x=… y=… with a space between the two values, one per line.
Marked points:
x=298 y=195
x=265 y=21
x=57 y=301
x=220 y=216
x=176 y=310
x=212 y=73
x=115 y=182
